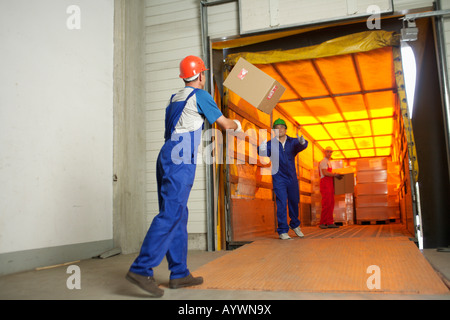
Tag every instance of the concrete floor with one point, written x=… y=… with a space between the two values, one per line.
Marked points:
x=104 y=279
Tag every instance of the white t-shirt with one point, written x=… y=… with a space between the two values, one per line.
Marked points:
x=324 y=164
x=198 y=107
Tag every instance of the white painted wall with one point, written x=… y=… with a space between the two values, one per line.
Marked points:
x=56 y=124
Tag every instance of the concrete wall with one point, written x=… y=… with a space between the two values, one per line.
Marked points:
x=56 y=133
x=130 y=223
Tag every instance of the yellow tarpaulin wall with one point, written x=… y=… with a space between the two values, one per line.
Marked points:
x=345 y=93
x=342 y=92
x=359 y=42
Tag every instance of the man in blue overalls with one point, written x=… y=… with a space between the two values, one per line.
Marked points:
x=175 y=173
x=285 y=183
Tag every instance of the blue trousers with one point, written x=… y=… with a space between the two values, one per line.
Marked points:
x=287 y=196
x=167 y=235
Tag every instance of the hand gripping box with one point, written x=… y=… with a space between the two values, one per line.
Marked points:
x=254 y=86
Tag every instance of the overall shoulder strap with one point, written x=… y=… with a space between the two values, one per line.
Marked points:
x=173 y=114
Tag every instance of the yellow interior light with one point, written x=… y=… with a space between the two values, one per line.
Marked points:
x=305 y=120
x=383 y=152
x=342 y=79
x=383 y=141
x=338 y=155
x=374 y=66
x=299 y=112
x=345 y=144
x=270 y=70
x=364 y=143
x=338 y=130
x=324 y=109
x=328 y=143
x=381 y=103
x=303 y=77
x=360 y=128
x=317 y=132
x=351 y=154
x=382 y=126
x=367 y=152
x=352 y=107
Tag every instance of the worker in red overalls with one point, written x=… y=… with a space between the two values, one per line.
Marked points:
x=327 y=190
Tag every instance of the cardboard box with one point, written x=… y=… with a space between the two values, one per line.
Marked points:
x=254 y=86
x=371 y=176
x=372 y=213
x=344 y=185
x=371 y=164
x=377 y=213
x=376 y=200
x=371 y=188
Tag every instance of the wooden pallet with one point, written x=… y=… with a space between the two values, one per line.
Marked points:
x=375 y=221
x=372 y=222
x=343 y=223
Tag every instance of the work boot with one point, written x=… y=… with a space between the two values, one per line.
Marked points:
x=145 y=283
x=332 y=226
x=284 y=236
x=298 y=232
x=188 y=281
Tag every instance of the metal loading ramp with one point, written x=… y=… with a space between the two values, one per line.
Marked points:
x=327 y=261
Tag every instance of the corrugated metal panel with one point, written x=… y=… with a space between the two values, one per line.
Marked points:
x=257 y=15
x=411 y=4
x=172 y=32
x=223 y=20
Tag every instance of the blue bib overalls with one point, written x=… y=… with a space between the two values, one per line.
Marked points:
x=285 y=182
x=175 y=173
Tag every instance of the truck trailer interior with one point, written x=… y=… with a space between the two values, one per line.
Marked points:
x=345 y=88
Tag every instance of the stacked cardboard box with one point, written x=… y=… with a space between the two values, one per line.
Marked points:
x=393 y=179
x=343 y=208
x=375 y=193
x=343 y=203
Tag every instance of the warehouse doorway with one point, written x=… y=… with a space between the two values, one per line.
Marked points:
x=351 y=100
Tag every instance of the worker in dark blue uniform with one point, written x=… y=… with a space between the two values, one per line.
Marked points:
x=175 y=173
x=284 y=177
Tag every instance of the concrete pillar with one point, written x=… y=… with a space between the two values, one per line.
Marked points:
x=129 y=223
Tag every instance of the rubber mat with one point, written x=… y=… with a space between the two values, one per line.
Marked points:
x=368 y=264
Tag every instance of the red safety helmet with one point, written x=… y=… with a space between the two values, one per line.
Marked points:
x=191 y=66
